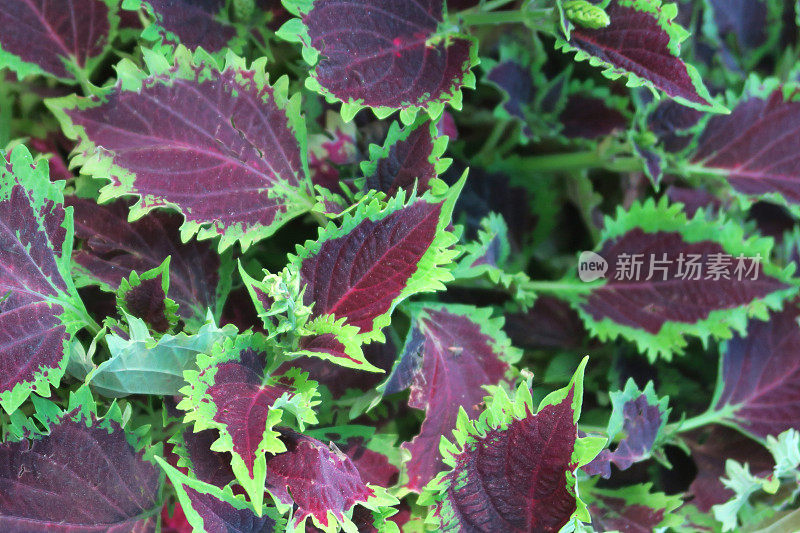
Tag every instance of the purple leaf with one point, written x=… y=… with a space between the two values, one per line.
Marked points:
x=195 y=23
x=220 y=516
x=315 y=478
x=760 y=376
x=642 y=42
x=650 y=304
x=517 y=85
x=112 y=248
x=360 y=271
x=378 y=53
x=339 y=379
x=83 y=475
x=463 y=350
x=233 y=393
x=746 y=19
x=222 y=146
x=194 y=450
x=587 y=117
x=639 y=416
x=710 y=455
x=670 y=122
x=632 y=509
x=755 y=147
x=374 y=467
x=145 y=297
x=513 y=470
x=59 y=37
x=39 y=306
x=550 y=323
x=409 y=156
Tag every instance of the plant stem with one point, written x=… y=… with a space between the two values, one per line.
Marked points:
x=537 y=18
x=580 y=161
x=709 y=417
x=560 y=287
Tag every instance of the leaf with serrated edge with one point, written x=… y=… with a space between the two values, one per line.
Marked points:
x=209 y=141
x=410 y=156
x=642 y=43
x=110 y=248
x=210 y=509
x=632 y=508
x=513 y=469
x=40 y=309
x=235 y=392
x=463 y=349
x=193 y=23
x=754 y=148
x=379 y=256
x=657 y=314
x=384 y=55
x=759 y=376
x=59 y=38
x=322 y=483
x=111 y=484
x=145 y=296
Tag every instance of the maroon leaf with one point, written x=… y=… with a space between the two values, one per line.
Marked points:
x=77 y=478
x=670 y=122
x=146 y=299
x=711 y=451
x=760 y=376
x=588 y=117
x=196 y=23
x=315 y=478
x=360 y=274
x=642 y=42
x=220 y=145
x=112 y=248
x=550 y=323
x=52 y=34
x=515 y=479
x=39 y=306
x=373 y=467
x=459 y=356
x=221 y=517
x=339 y=379
x=756 y=147
x=378 y=53
x=206 y=465
x=517 y=84
x=243 y=404
x=648 y=305
x=409 y=157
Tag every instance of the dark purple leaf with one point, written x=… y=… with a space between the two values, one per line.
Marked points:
x=221 y=147
x=196 y=23
x=694 y=199
x=359 y=275
x=517 y=85
x=77 y=479
x=339 y=379
x=373 y=467
x=148 y=301
x=243 y=403
x=633 y=509
x=670 y=121
x=648 y=305
x=588 y=117
x=39 y=307
x=760 y=376
x=52 y=34
x=756 y=147
x=515 y=479
x=745 y=19
x=377 y=53
x=550 y=323
x=112 y=248
x=315 y=478
x=208 y=466
x=711 y=451
x=643 y=43
x=461 y=353
x=221 y=517
x=409 y=157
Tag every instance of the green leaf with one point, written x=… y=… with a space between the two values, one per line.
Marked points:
x=142 y=364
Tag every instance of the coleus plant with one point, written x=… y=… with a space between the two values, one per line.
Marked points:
x=399 y=265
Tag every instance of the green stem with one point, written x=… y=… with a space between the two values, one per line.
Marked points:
x=709 y=417
x=492 y=140
x=560 y=287
x=538 y=18
x=581 y=161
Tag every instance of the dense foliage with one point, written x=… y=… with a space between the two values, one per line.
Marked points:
x=383 y=265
